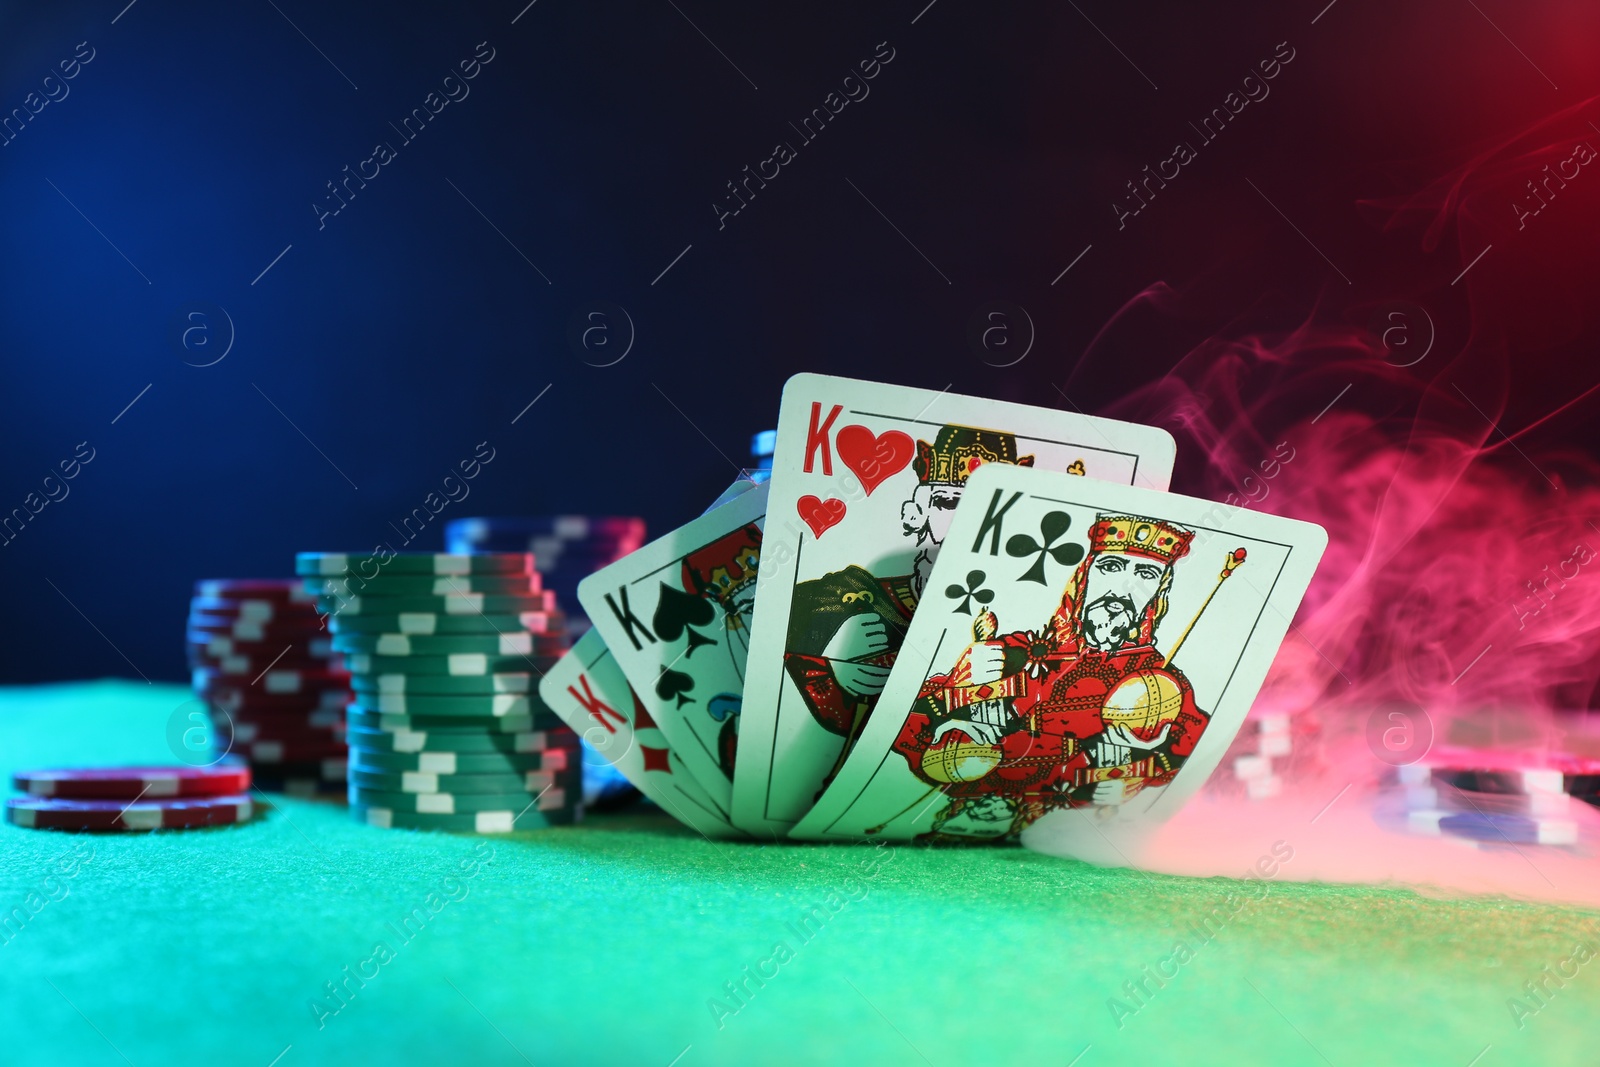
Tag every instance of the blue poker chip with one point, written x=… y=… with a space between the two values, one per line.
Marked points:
x=1494 y=827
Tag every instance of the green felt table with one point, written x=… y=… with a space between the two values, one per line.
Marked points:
x=613 y=943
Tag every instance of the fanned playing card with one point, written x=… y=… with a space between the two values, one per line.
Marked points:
x=587 y=689
x=865 y=480
x=1083 y=648
x=676 y=614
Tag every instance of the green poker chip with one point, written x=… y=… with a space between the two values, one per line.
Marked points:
x=482 y=822
x=553 y=759
x=476 y=706
x=424 y=585
x=429 y=623
x=428 y=782
x=444 y=684
x=451 y=604
x=458 y=664
x=408 y=740
x=550 y=802
x=371 y=564
x=360 y=718
x=510 y=643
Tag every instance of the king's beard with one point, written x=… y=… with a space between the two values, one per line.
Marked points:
x=1110 y=622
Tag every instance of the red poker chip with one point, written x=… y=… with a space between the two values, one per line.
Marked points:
x=303 y=642
x=141 y=815
x=243 y=670
x=286 y=589
x=128 y=783
x=284 y=728
x=255 y=629
x=275 y=682
x=270 y=753
x=257 y=609
x=242 y=703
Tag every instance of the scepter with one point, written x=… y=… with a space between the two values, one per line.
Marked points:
x=1229 y=565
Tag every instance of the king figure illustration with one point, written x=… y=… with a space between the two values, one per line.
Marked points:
x=1086 y=710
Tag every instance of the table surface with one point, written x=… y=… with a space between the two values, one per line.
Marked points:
x=614 y=942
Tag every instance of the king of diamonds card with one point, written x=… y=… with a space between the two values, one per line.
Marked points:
x=865 y=481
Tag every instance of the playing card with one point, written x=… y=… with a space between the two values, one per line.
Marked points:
x=1082 y=646
x=676 y=614
x=865 y=479
x=587 y=689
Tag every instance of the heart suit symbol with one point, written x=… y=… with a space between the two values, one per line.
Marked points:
x=874 y=458
x=820 y=515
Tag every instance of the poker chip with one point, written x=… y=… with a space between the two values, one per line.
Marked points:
x=42 y=813
x=443 y=652
x=443 y=684
x=274 y=589
x=447 y=604
x=253 y=609
x=274 y=681
x=360 y=718
x=1507 y=773
x=217 y=645
x=550 y=799
x=367 y=566
x=496 y=705
x=428 y=782
x=263 y=662
x=482 y=822
x=332 y=771
x=552 y=759
x=377 y=742
x=467 y=664
x=513 y=643
x=1492 y=827
x=296 y=751
x=300 y=787
x=239 y=700
x=423 y=585
x=424 y=623
x=1449 y=798
x=475 y=534
x=248 y=667
x=209 y=626
x=128 y=783
x=325 y=726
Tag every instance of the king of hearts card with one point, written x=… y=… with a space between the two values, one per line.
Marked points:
x=866 y=477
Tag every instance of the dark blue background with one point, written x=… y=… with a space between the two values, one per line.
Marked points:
x=408 y=330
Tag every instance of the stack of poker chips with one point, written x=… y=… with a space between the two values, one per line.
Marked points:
x=447 y=731
x=265 y=666
x=1257 y=770
x=566 y=548
x=131 y=798
x=1494 y=798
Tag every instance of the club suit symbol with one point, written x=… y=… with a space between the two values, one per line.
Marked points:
x=1052 y=528
x=972 y=592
